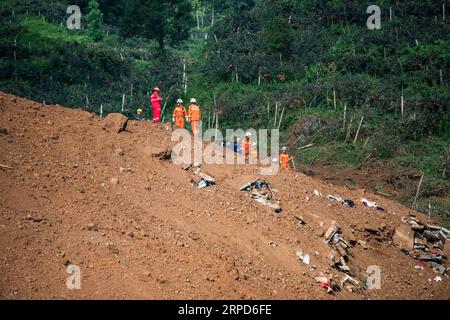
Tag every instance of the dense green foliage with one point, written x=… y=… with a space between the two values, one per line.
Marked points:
x=155 y=19
x=95 y=21
x=311 y=58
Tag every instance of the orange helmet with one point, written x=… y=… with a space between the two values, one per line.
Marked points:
x=157 y=89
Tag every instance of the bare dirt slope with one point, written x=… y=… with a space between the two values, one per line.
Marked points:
x=151 y=235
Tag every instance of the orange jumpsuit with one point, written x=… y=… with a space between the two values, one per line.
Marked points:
x=179 y=113
x=284 y=161
x=195 y=117
x=246 y=146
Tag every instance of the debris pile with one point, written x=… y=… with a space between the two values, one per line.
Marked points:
x=340 y=257
x=372 y=204
x=427 y=243
x=203 y=180
x=343 y=201
x=261 y=192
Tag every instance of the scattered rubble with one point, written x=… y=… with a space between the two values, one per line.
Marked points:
x=372 y=204
x=415 y=238
x=343 y=201
x=261 y=192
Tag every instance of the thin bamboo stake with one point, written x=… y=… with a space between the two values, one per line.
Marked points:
x=123 y=102
x=443 y=11
x=165 y=104
x=402 y=103
x=275 y=116
x=365 y=143
x=5 y=166
x=281 y=119
x=418 y=191
x=131 y=94
x=293 y=164
x=357 y=132
x=345 y=114
x=441 y=76
x=334 y=98
x=101 y=110
x=306 y=147
x=217 y=126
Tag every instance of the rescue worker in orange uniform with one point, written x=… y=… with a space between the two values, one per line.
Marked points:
x=284 y=158
x=194 y=116
x=247 y=145
x=179 y=113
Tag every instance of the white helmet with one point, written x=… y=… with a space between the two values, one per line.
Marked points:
x=193 y=100
x=284 y=149
x=248 y=134
x=179 y=101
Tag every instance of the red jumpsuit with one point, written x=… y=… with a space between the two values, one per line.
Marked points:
x=156 y=106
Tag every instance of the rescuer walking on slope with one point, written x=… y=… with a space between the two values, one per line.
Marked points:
x=194 y=116
x=179 y=113
x=156 y=105
x=284 y=158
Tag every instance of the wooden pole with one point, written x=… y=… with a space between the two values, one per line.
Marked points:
x=390 y=13
x=443 y=11
x=441 y=76
x=334 y=98
x=281 y=119
x=275 y=116
x=306 y=147
x=402 y=103
x=365 y=143
x=101 y=110
x=217 y=126
x=345 y=114
x=268 y=107
x=123 y=102
x=418 y=191
x=131 y=94
x=212 y=16
x=165 y=104
x=357 y=132
x=293 y=164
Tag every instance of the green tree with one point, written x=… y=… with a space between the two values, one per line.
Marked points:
x=158 y=20
x=278 y=34
x=95 y=21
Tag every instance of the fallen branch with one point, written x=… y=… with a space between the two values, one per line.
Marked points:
x=307 y=146
x=383 y=194
x=5 y=166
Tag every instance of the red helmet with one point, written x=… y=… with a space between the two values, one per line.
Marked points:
x=157 y=89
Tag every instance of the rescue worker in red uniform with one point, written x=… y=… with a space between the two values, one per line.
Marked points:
x=194 y=116
x=179 y=113
x=156 y=105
